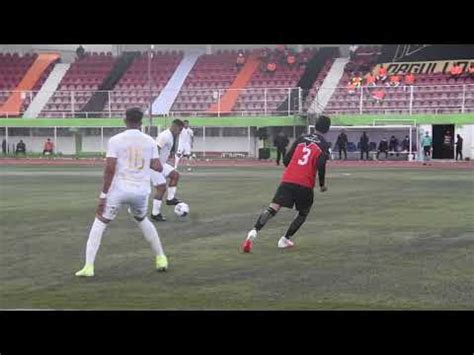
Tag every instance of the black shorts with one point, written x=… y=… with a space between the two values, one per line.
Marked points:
x=289 y=195
x=427 y=149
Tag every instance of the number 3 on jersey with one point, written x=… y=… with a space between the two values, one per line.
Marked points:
x=305 y=158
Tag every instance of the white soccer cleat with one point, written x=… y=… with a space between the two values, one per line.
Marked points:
x=252 y=235
x=285 y=243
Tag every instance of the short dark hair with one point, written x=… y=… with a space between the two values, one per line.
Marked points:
x=323 y=124
x=134 y=115
x=186 y=121
x=178 y=123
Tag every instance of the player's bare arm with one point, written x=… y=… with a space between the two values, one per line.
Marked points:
x=322 y=172
x=155 y=165
x=109 y=172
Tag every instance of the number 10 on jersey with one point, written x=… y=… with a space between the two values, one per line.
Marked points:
x=135 y=158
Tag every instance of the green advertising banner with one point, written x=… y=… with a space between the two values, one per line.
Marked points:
x=337 y=120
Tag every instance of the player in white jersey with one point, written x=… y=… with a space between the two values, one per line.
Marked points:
x=186 y=140
x=131 y=156
x=165 y=142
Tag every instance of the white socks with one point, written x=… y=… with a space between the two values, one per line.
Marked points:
x=97 y=231
x=151 y=235
x=176 y=162
x=93 y=243
x=156 y=207
x=171 y=192
x=157 y=203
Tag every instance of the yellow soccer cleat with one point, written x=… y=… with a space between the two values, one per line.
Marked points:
x=161 y=263
x=87 y=271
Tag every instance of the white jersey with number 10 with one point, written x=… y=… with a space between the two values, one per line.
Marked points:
x=133 y=150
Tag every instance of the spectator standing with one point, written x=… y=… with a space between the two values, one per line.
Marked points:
x=370 y=80
x=382 y=73
x=459 y=147
x=352 y=52
x=271 y=67
x=80 y=52
x=456 y=71
x=240 y=61
x=406 y=144
x=20 y=148
x=409 y=79
x=471 y=71
x=383 y=147
x=364 y=146
x=426 y=144
x=281 y=142
x=341 y=143
x=357 y=81
x=291 y=60
x=394 y=81
x=48 y=147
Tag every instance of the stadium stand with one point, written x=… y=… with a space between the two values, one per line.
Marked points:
x=271 y=88
x=83 y=78
x=30 y=95
x=210 y=73
x=317 y=83
x=21 y=76
x=133 y=89
x=432 y=93
x=214 y=74
x=12 y=69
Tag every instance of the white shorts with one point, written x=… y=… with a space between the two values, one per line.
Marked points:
x=117 y=198
x=160 y=178
x=184 y=149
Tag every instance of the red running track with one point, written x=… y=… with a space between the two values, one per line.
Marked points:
x=248 y=163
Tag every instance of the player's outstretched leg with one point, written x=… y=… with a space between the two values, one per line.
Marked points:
x=171 y=199
x=190 y=162
x=151 y=235
x=93 y=244
x=264 y=217
x=297 y=222
x=157 y=202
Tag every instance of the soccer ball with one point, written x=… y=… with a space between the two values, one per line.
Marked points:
x=181 y=209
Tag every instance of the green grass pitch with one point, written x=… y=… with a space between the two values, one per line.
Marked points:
x=378 y=239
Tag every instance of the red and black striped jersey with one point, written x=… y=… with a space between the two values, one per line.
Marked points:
x=307 y=155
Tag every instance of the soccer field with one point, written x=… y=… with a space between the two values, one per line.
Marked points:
x=384 y=239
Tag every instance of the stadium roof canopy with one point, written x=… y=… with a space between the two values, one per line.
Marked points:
x=117 y=48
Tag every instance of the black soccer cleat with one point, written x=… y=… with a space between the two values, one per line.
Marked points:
x=173 y=202
x=159 y=218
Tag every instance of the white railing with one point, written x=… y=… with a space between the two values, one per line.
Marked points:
x=262 y=101
x=259 y=101
x=402 y=99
